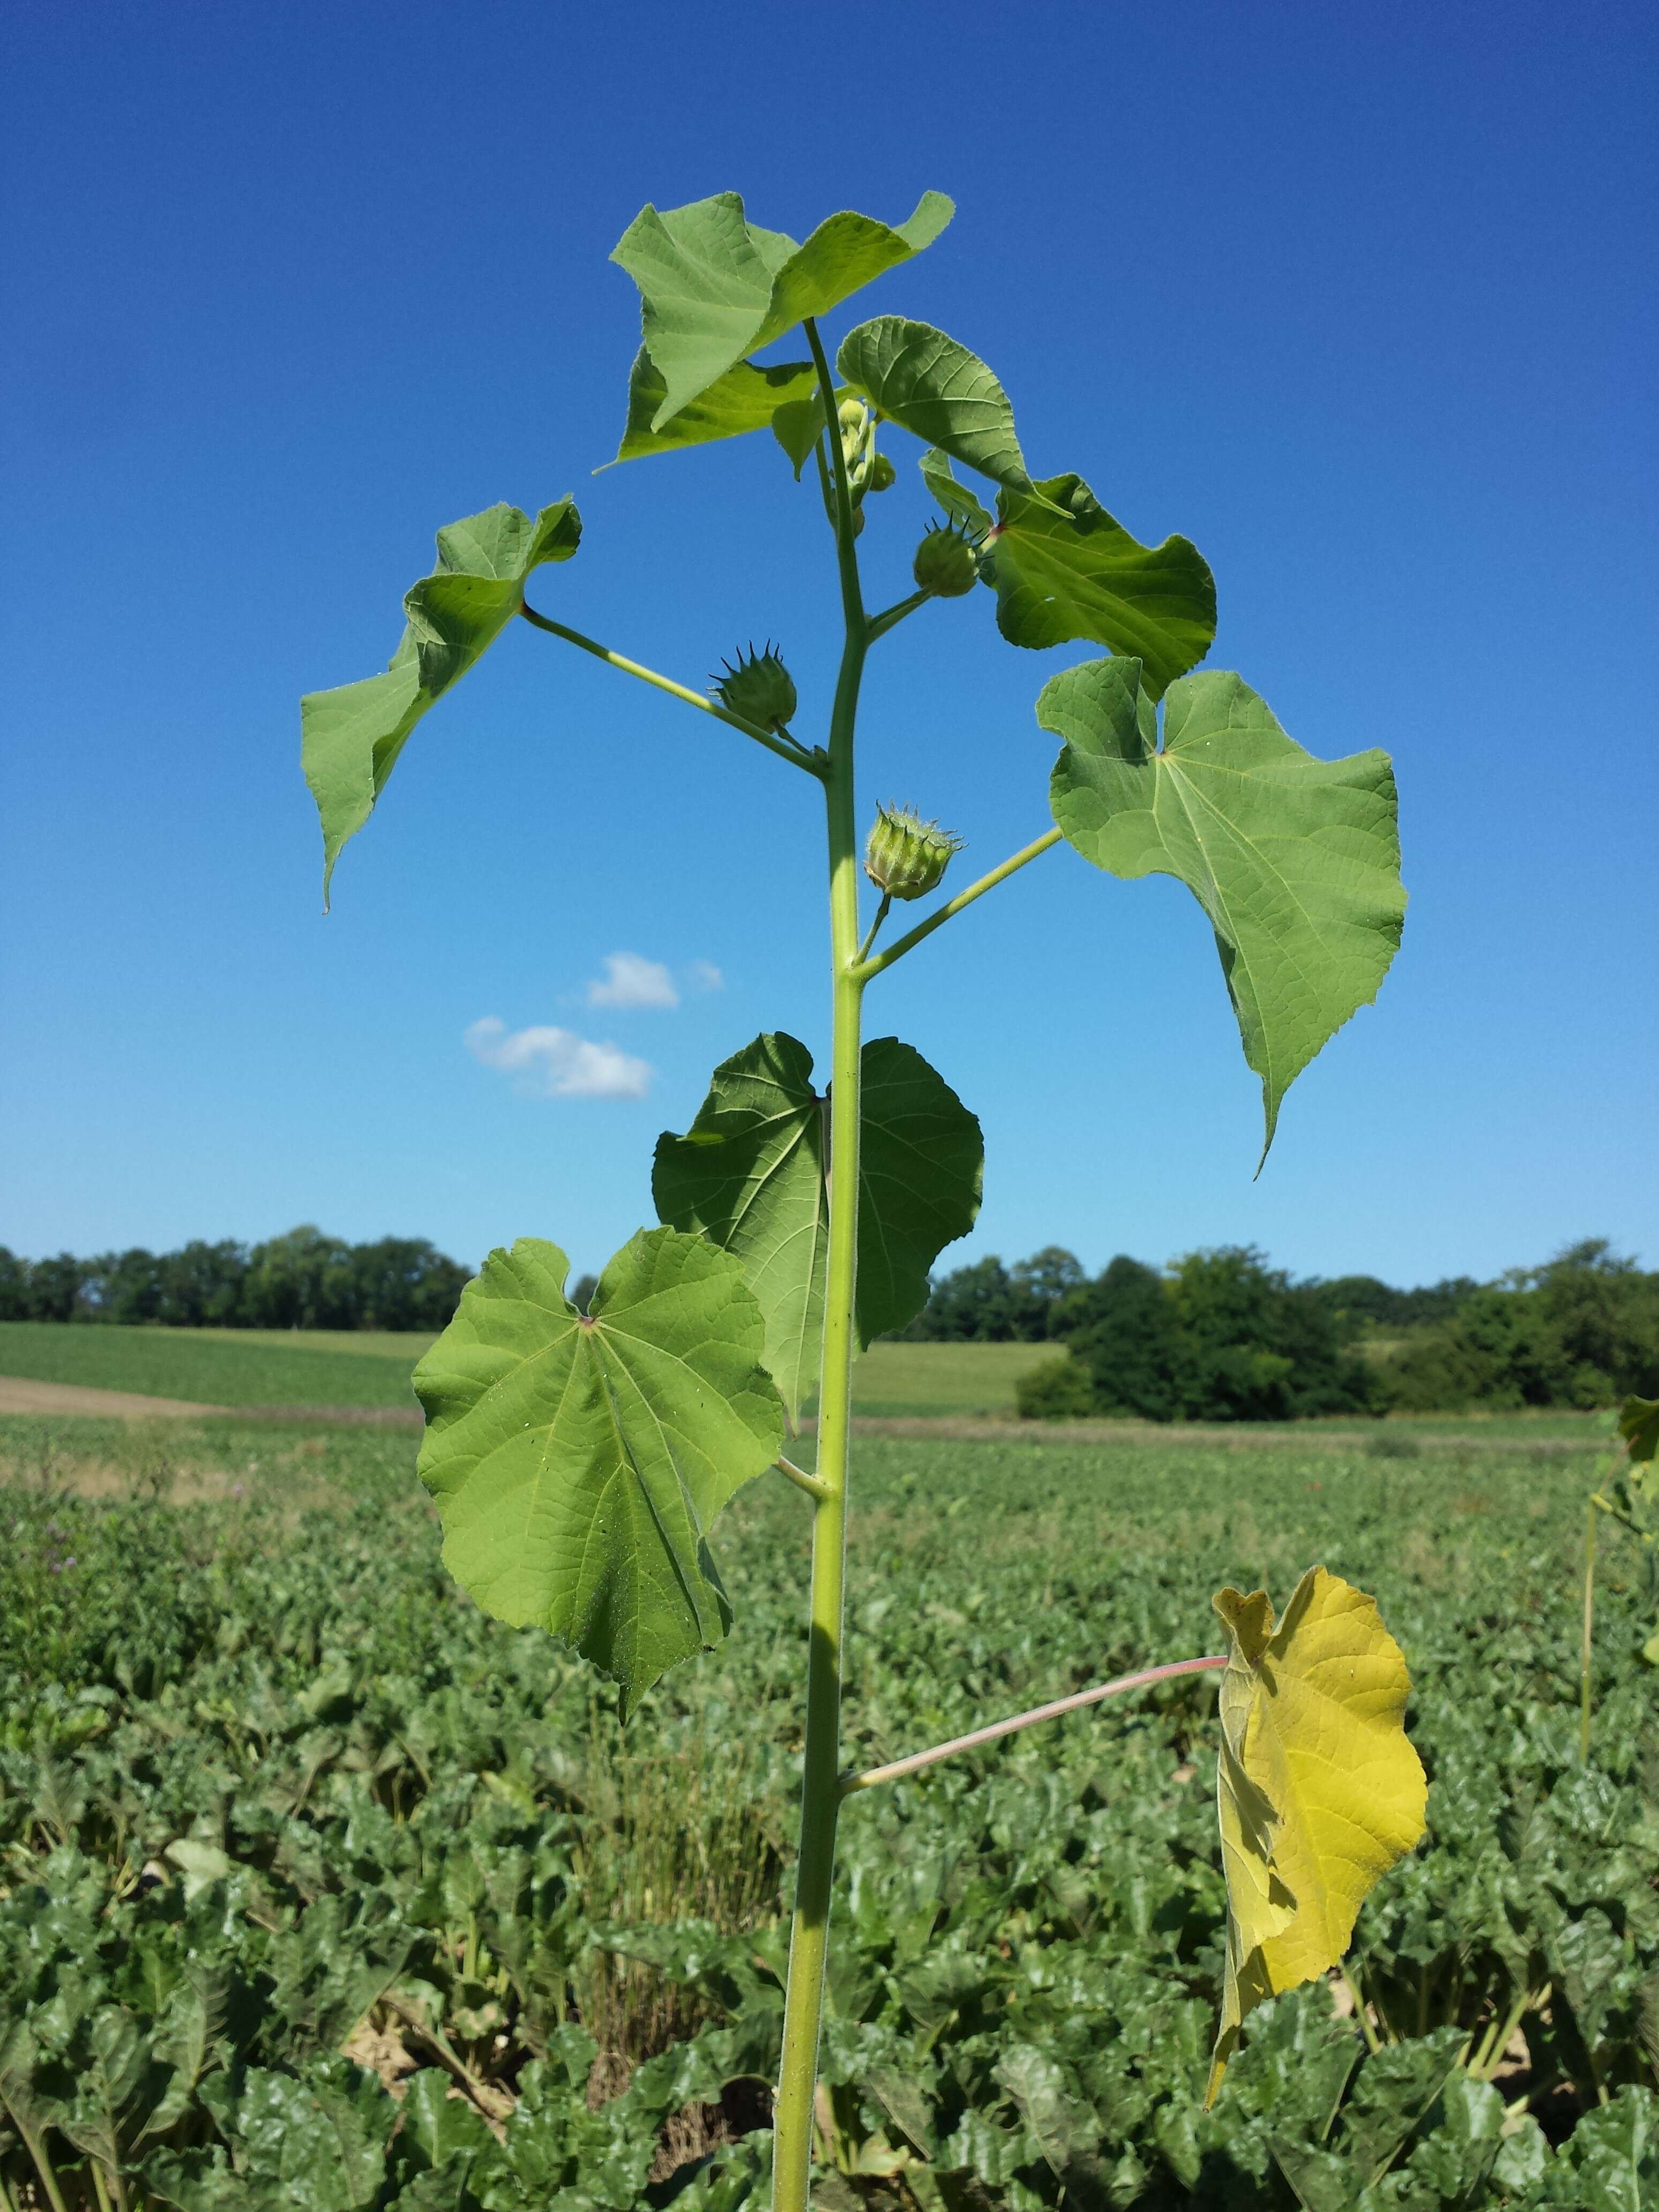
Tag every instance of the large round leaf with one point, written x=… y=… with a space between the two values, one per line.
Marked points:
x=1295 y=860
x=745 y=399
x=715 y=288
x=1319 y=1791
x=751 y=1173
x=933 y=387
x=580 y=1461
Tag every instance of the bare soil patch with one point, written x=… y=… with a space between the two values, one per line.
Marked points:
x=19 y=1395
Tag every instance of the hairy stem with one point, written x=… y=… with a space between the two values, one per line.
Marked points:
x=1115 y=1688
x=912 y=937
x=820 y=1778
x=789 y=750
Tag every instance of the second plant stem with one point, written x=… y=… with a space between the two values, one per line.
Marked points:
x=821 y=1758
x=1587 y=1654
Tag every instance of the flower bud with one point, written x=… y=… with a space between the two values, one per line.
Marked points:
x=760 y=689
x=857 y=443
x=905 y=856
x=882 y=473
x=946 y=563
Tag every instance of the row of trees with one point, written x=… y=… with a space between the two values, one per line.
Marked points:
x=1218 y=1335
x=301 y=1280
x=1222 y=1336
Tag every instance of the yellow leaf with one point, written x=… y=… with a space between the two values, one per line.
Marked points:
x=1319 y=1791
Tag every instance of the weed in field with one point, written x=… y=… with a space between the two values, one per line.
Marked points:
x=668 y=1837
x=581 y=1453
x=1390 y=1443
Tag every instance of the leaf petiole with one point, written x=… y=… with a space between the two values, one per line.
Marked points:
x=802 y=1481
x=853 y=1783
x=870 y=934
x=891 y=618
x=897 y=950
x=791 y=750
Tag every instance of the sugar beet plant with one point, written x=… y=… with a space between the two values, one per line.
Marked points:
x=579 y=1460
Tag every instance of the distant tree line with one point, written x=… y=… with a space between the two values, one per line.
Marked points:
x=301 y=1280
x=1221 y=1335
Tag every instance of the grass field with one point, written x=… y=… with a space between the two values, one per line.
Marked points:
x=406 y=1345
x=274 y=1795
x=213 y=1369
x=277 y=1367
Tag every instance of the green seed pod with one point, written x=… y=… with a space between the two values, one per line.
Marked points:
x=882 y=473
x=947 y=563
x=760 y=689
x=905 y=856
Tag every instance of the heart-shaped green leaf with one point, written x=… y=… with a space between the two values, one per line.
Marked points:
x=1295 y=860
x=1638 y=1424
x=798 y=425
x=939 y=391
x=351 y=737
x=1061 y=568
x=715 y=288
x=579 y=1462
x=745 y=399
x=750 y=1174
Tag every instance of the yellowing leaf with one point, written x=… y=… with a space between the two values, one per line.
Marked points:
x=1319 y=1791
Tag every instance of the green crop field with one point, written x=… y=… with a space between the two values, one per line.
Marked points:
x=406 y=1345
x=278 y=1367
x=368 y=1370
x=942 y=1378
x=319 y=1889
x=228 y=1367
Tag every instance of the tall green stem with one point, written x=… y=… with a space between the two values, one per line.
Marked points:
x=1587 y=1656
x=821 y=1776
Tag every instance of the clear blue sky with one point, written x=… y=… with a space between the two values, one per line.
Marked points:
x=1361 y=299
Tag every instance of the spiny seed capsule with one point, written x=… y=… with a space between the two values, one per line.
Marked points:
x=946 y=563
x=760 y=689
x=905 y=856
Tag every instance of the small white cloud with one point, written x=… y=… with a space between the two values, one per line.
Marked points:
x=632 y=982
x=704 y=975
x=554 y=1063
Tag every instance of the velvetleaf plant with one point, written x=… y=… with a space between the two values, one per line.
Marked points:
x=581 y=1460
